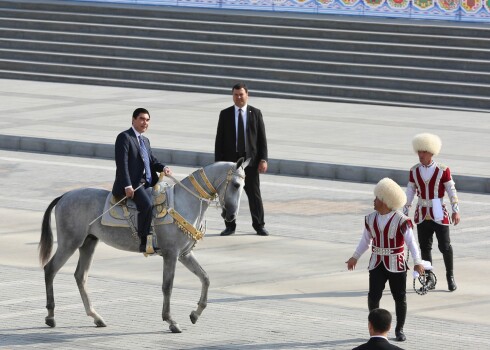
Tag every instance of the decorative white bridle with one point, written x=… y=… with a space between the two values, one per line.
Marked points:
x=203 y=196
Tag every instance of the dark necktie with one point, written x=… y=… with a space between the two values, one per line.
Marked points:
x=240 y=145
x=146 y=160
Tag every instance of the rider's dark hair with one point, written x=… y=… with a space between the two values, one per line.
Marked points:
x=140 y=110
x=380 y=320
x=240 y=85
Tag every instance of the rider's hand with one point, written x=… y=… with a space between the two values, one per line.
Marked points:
x=129 y=192
x=167 y=171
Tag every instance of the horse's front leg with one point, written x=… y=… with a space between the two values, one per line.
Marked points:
x=189 y=261
x=169 y=264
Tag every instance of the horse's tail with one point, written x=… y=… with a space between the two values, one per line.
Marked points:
x=46 y=243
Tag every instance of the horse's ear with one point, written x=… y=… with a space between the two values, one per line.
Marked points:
x=246 y=163
x=239 y=162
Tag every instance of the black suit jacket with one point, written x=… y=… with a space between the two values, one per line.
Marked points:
x=129 y=162
x=377 y=343
x=256 y=141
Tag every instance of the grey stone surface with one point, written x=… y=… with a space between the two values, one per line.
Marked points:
x=290 y=290
x=351 y=142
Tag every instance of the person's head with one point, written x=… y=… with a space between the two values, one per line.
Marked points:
x=141 y=119
x=379 y=322
x=389 y=196
x=426 y=146
x=240 y=94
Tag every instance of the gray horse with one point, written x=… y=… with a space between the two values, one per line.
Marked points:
x=76 y=209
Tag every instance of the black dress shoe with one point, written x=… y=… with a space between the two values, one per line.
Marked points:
x=142 y=248
x=227 y=231
x=451 y=283
x=400 y=336
x=262 y=232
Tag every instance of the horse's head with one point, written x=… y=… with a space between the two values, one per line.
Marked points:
x=231 y=191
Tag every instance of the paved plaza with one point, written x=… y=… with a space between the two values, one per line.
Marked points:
x=290 y=290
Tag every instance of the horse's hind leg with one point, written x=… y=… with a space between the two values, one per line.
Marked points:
x=191 y=263
x=50 y=270
x=81 y=273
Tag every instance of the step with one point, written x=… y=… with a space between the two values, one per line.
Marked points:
x=227 y=43
x=158 y=77
x=278 y=58
x=112 y=25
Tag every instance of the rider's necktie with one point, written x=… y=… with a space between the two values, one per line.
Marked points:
x=240 y=145
x=146 y=160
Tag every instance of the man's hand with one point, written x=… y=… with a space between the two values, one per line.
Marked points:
x=351 y=264
x=262 y=166
x=167 y=171
x=455 y=217
x=129 y=192
x=420 y=269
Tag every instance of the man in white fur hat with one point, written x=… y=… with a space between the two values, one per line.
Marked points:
x=429 y=180
x=388 y=230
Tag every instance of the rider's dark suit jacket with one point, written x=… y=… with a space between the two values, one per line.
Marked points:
x=256 y=141
x=129 y=162
x=377 y=343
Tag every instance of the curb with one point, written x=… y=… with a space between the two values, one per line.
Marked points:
x=341 y=172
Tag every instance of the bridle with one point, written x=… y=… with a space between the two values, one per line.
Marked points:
x=207 y=196
x=210 y=194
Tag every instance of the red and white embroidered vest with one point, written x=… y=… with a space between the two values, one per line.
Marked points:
x=428 y=190
x=388 y=244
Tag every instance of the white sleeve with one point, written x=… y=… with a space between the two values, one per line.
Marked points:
x=363 y=245
x=410 y=192
x=412 y=246
x=453 y=195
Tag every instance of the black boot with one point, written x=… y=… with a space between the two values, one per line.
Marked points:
x=401 y=315
x=448 y=262
x=372 y=304
x=451 y=283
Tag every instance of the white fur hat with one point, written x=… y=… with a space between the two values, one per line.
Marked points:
x=427 y=142
x=390 y=193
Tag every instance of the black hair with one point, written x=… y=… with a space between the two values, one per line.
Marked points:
x=138 y=111
x=380 y=320
x=239 y=86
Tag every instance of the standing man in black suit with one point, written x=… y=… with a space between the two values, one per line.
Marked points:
x=241 y=133
x=379 y=324
x=135 y=164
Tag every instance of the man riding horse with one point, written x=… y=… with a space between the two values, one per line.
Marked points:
x=135 y=164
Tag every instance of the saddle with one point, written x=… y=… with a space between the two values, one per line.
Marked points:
x=125 y=213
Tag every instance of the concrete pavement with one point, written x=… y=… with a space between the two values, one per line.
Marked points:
x=351 y=142
x=290 y=290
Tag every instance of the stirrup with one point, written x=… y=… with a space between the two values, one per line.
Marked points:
x=149 y=245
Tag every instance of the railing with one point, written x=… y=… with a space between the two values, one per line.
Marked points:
x=453 y=10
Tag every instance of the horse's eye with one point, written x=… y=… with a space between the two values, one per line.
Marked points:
x=236 y=185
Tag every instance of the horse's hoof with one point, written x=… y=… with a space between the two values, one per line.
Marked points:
x=100 y=323
x=174 y=328
x=194 y=316
x=50 y=322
